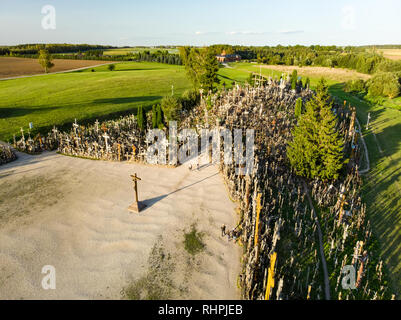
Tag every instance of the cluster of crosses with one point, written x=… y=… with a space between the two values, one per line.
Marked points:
x=35 y=144
x=115 y=140
x=278 y=228
x=6 y=154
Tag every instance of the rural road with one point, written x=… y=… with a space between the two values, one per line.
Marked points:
x=65 y=71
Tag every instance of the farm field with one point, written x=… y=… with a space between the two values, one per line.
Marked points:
x=14 y=67
x=393 y=54
x=60 y=98
x=125 y=51
x=334 y=74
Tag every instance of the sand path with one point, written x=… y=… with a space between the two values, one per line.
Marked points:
x=72 y=214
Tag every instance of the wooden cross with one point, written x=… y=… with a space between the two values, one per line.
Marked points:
x=135 y=178
x=97 y=126
x=270 y=277
x=136 y=207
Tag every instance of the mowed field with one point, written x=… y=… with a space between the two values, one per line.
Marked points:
x=60 y=98
x=14 y=67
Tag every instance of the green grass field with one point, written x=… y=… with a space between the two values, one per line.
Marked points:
x=59 y=99
x=85 y=95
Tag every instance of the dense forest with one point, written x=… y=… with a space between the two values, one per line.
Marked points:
x=89 y=52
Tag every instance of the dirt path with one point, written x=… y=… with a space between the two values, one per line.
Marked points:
x=72 y=214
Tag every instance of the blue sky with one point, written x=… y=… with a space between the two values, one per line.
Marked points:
x=203 y=22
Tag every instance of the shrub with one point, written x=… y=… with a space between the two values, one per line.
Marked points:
x=189 y=99
x=355 y=86
x=111 y=67
x=171 y=107
x=385 y=84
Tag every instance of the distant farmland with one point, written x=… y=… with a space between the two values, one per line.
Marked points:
x=125 y=51
x=13 y=67
x=393 y=54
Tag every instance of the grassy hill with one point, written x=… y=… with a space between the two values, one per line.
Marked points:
x=60 y=98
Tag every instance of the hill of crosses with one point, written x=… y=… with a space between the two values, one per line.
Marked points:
x=297 y=236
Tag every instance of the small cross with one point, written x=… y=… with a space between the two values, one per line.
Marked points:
x=106 y=137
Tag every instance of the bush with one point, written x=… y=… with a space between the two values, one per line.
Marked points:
x=171 y=107
x=111 y=67
x=385 y=84
x=189 y=99
x=355 y=86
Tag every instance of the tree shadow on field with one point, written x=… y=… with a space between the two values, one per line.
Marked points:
x=20 y=112
x=127 y=100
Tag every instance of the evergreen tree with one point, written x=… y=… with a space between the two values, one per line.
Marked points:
x=307 y=83
x=141 y=118
x=160 y=116
x=154 y=117
x=317 y=148
x=298 y=108
x=210 y=69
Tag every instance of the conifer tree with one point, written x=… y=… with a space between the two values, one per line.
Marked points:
x=307 y=83
x=317 y=148
x=154 y=117
x=298 y=108
x=141 y=118
x=160 y=116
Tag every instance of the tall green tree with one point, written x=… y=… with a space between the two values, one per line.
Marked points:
x=160 y=116
x=45 y=60
x=298 y=108
x=141 y=118
x=201 y=66
x=316 y=150
x=208 y=77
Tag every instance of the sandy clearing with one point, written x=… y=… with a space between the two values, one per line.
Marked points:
x=72 y=213
x=11 y=67
x=336 y=74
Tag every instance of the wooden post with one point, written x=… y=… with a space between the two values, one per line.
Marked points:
x=270 y=277
x=258 y=209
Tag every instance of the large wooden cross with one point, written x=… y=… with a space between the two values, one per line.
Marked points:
x=136 y=207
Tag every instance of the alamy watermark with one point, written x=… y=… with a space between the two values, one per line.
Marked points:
x=49 y=19
x=183 y=147
x=349 y=280
x=49 y=280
